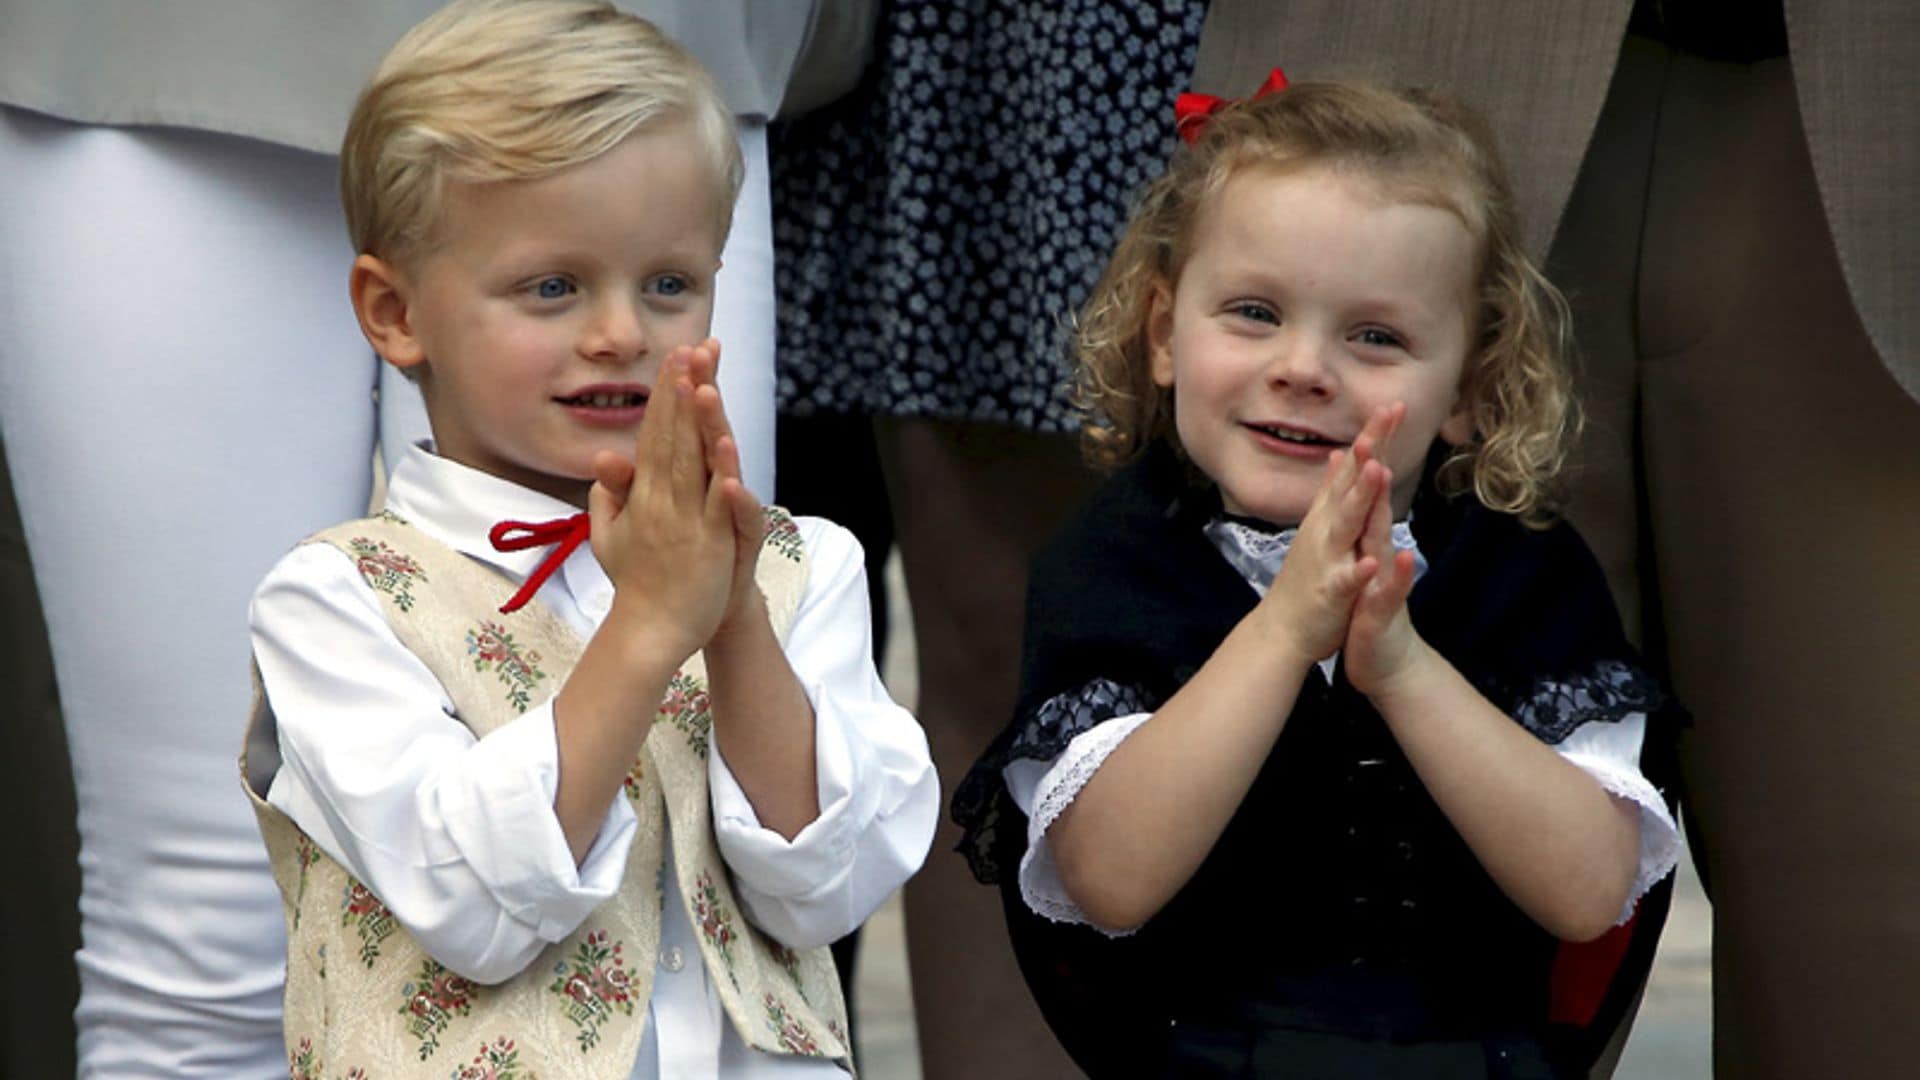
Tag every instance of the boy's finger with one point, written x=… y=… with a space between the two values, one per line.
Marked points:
x=656 y=426
x=686 y=456
x=712 y=415
x=616 y=475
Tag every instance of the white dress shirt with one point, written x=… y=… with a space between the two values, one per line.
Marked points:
x=1607 y=751
x=457 y=834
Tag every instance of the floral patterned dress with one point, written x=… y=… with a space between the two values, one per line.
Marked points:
x=935 y=229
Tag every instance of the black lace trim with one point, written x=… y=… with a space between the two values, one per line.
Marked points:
x=979 y=800
x=1553 y=708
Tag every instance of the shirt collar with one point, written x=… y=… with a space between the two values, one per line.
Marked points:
x=1257 y=552
x=458 y=504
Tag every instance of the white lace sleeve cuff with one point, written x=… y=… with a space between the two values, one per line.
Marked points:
x=1610 y=753
x=1045 y=798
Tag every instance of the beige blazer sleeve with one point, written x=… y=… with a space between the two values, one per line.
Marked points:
x=1537 y=71
x=288 y=72
x=1859 y=88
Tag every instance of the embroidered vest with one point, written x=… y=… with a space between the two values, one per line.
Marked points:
x=363 y=1000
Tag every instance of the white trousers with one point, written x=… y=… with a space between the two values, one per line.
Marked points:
x=184 y=394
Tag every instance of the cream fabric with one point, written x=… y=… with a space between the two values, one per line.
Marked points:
x=288 y=72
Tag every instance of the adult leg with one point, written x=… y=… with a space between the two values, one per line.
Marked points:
x=1783 y=485
x=971 y=503
x=184 y=394
x=40 y=847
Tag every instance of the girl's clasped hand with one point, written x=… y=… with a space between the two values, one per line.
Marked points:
x=1342 y=586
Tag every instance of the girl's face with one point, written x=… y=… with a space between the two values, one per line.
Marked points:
x=1307 y=301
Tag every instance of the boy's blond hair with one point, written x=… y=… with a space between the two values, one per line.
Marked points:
x=488 y=90
x=1417 y=146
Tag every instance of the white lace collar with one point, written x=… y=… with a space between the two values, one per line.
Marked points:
x=1256 y=551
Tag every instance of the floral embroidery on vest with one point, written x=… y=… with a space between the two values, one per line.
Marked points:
x=498 y=1061
x=716 y=922
x=783 y=535
x=492 y=645
x=368 y=917
x=789 y=961
x=635 y=774
x=792 y=1034
x=387 y=570
x=306 y=855
x=688 y=708
x=302 y=1064
x=596 y=985
x=433 y=999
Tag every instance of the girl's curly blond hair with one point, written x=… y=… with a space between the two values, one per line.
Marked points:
x=1417 y=146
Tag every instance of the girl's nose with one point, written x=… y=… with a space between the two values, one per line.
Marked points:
x=1301 y=364
x=616 y=335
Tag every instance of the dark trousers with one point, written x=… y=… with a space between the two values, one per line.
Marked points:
x=1752 y=483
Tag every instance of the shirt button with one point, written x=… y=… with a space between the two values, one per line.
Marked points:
x=671 y=958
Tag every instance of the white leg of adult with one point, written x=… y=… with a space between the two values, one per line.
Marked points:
x=184 y=394
x=743 y=315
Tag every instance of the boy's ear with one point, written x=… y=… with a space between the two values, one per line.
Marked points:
x=1160 y=332
x=382 y=298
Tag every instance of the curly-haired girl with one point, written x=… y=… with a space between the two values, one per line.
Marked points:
x=1328 y=734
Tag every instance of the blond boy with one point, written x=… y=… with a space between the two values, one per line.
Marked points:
x=588 y=810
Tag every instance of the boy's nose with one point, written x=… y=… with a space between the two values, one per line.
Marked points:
x=616 y=335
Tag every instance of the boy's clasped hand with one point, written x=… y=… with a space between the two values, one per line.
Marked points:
x=675 y=528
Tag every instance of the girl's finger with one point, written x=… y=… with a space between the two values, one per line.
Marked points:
x=1351 y=511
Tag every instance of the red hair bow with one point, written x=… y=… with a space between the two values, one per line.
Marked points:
x=1191 y=111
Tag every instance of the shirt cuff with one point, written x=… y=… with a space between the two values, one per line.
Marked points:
x=1609 y=751
x=500 y=815
x=818 y=859
x=1040 y=884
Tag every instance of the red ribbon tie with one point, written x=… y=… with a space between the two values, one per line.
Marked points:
x=564 y=533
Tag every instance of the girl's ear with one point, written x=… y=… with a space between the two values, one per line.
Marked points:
x=1160 y=332
x=381 y=297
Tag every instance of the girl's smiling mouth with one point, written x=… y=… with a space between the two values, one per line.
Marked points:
x=1288 y=439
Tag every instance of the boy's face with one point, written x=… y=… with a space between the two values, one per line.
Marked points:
x=545 y=312
x=1307 y=302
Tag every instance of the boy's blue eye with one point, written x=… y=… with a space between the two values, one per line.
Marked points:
x=553 y=288
x=670 y=285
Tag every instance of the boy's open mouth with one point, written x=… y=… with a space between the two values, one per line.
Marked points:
x=603 y=400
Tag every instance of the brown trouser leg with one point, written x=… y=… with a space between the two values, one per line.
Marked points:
x=971 y=504
x=1780 y=469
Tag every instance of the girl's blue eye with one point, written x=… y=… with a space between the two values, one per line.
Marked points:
x=1256 y=312
x=1375 y=336
x=553 y=288
x=670 y=285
